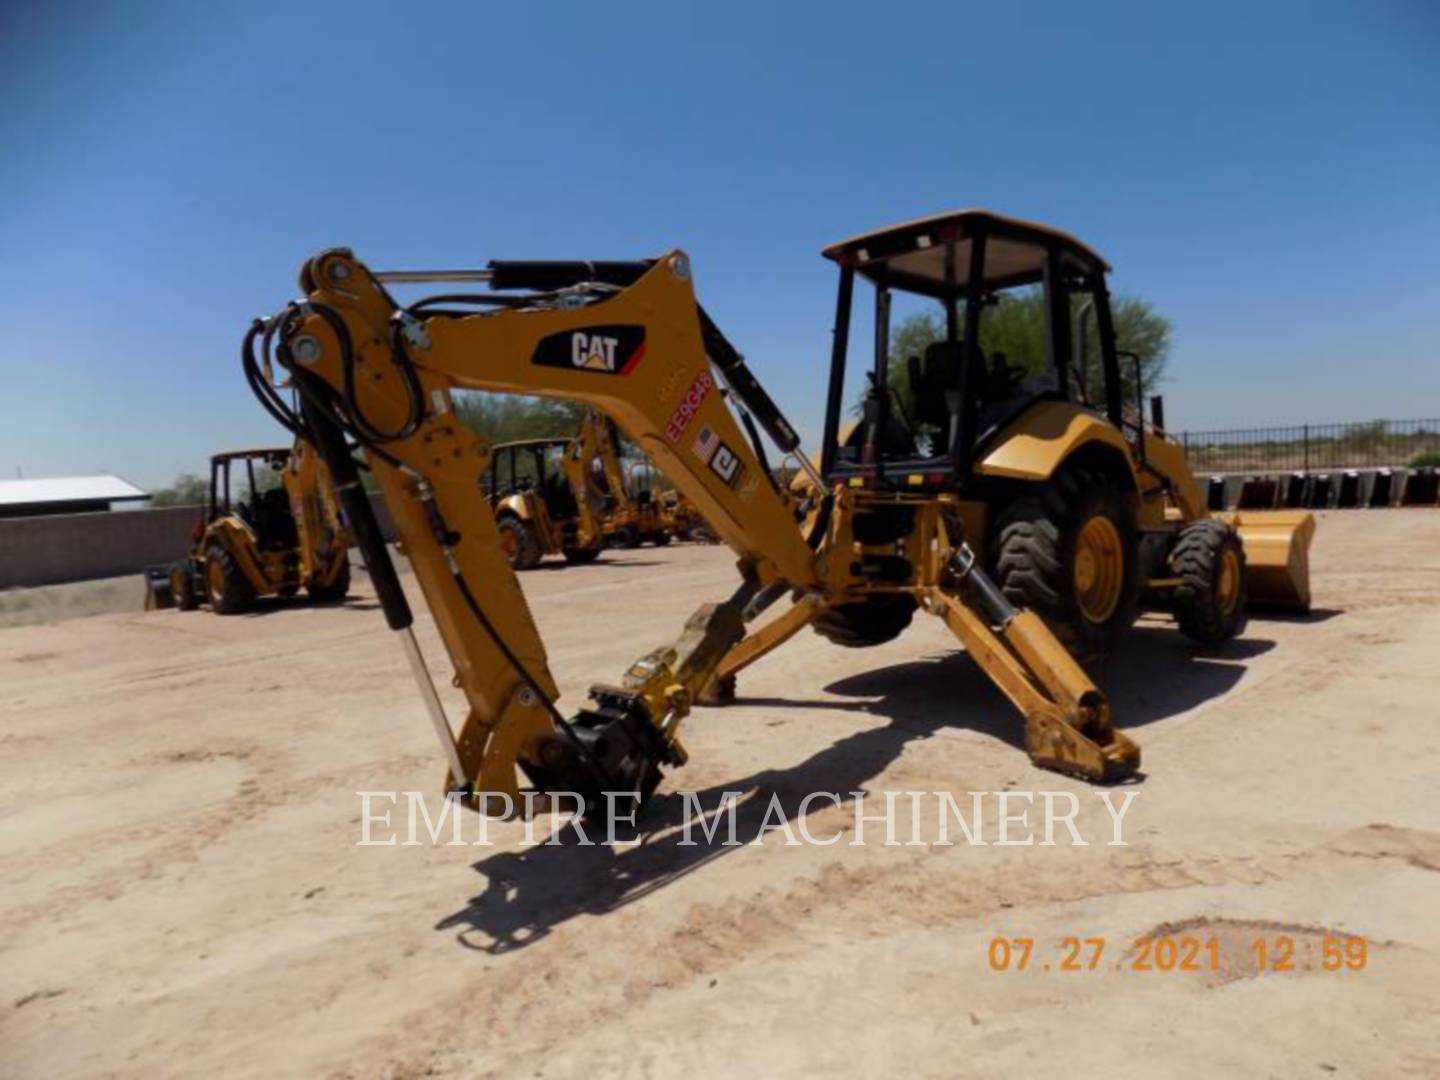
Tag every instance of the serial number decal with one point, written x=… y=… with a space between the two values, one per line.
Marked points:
x=1261 y=954
x=689 y=405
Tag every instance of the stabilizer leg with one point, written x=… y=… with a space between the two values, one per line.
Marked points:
x=1067 y=719
x=721 y=688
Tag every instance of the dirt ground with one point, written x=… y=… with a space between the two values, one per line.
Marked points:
x=184 y=894
x=73 y=600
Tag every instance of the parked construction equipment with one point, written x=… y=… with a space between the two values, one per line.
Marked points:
x=280 y=533
x=544 y=503
x=1028 y=510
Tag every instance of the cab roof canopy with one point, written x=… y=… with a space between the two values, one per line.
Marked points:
x=916 y=255
x=261 y=452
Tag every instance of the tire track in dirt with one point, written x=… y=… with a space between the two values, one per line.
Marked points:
x=869 y=902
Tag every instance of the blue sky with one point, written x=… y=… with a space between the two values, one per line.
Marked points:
x=1268 y=175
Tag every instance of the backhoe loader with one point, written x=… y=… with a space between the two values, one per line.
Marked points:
x=631 y=517
x=680 y=519
x=544 y=499
x=283 y=534
x=1030 y=523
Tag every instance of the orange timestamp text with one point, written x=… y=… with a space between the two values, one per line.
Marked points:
x=1260 y=954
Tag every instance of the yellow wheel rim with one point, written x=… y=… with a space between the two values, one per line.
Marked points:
x=509 y=544
x=1227 y=586
x=1099 y=570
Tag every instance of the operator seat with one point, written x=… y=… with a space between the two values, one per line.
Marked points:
x=274 y=523
x=559 y=499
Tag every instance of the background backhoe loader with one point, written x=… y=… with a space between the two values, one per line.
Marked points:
x=544 y=501
x=633 y=513
x=280 y=533
x=1032 y=518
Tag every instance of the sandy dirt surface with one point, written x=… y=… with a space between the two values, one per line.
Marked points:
x=184 y=894
x=73 y=600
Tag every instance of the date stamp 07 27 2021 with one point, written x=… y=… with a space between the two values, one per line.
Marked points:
x=1262 y=953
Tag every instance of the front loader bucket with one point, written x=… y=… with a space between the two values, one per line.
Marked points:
x=1277 y=557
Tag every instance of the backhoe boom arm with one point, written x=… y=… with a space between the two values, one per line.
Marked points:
x=640 y=353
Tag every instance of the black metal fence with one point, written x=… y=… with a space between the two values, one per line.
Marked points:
x=1377 y=444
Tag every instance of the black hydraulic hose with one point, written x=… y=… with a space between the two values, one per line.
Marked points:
x=822 y=522
x=266 y=394
x=329 y=441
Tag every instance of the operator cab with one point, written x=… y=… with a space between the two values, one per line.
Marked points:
x=1006 y=311
x=534 y=465
x=262 y=503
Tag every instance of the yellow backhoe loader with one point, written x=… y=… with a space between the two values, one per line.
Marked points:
x=544 y=499
x=681 y=520
x=283 y=534
x=1032 y=523
x=633 y=513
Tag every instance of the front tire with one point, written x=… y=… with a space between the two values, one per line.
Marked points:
x=226 y=586
x=520 y=544
x=1210 y=599
x=1070 y=553
x=581 y=556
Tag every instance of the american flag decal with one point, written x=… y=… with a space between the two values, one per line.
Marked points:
x=705 y=444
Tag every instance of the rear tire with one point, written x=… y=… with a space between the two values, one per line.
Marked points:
x=520 y=544
x=660 y=539
x=226 y=586
x=1069 y=552
x=874 y=621
x=1210 y=599
x=337 y=590
x=581 y=556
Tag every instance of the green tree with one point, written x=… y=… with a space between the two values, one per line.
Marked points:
x=502 y=418
x=1015 y=325
x=187 y=490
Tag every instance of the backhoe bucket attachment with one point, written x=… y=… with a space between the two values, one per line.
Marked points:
x=1277 y=557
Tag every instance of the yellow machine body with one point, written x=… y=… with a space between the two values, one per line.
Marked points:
x=284 y=535
x=637 y=347
x=1276 y=542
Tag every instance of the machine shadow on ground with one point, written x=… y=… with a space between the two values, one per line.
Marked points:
x=1156 y=675
x=269 y=605
x=528 y=893
x=614 y=564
